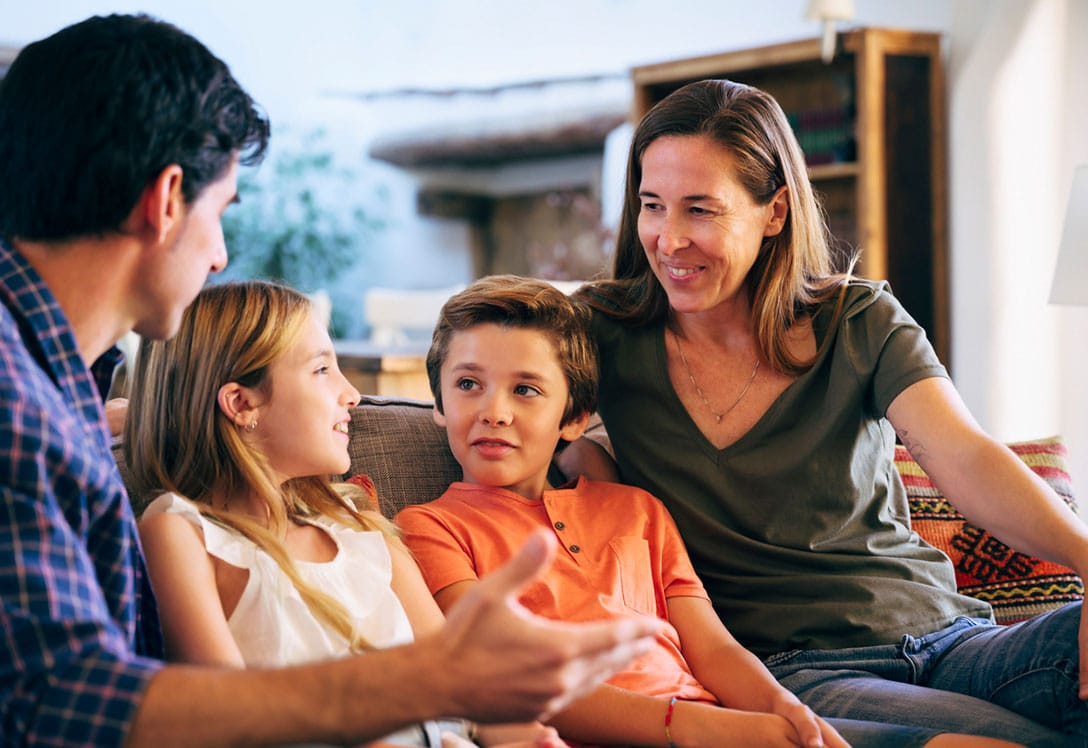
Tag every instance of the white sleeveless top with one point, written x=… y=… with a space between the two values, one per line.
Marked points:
x=271 y=624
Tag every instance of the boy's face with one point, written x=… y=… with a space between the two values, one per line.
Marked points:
x=504 y=394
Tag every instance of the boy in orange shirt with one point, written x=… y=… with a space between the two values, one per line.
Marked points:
x=513 y=370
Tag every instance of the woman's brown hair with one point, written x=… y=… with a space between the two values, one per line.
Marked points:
x=793 y=271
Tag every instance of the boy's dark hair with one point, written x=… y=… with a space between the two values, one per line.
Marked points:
x=90 y=115
x=512 y=301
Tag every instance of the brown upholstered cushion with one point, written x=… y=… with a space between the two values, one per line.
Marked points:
x=397 y=443
x=1018 y=586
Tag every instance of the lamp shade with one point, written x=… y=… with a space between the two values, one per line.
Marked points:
x=1071 y=273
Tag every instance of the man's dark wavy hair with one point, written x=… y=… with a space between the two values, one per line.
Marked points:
x=92 y=114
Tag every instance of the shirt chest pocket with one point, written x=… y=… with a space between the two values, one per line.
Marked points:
x=632 y=557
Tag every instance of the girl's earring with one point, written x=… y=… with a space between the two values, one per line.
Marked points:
x=251 y=426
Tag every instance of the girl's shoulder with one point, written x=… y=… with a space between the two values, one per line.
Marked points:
x=172 y=503
x=219 y=540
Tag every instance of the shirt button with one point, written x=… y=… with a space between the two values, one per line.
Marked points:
x=560 y=526
x=575 y=549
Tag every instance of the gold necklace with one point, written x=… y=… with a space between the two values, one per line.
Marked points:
x=699 y=390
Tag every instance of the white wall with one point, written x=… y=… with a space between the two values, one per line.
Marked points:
x=1018 y=126
x=1072 y=322
x=1018 y=122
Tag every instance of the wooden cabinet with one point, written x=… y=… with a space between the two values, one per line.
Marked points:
x=872 y=124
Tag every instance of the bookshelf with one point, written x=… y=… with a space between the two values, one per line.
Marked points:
x=872 y=124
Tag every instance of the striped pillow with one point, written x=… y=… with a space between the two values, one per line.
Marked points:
x=1018 y=586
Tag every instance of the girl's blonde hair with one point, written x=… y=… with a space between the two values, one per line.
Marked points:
x=793 y=272
x=177 y=439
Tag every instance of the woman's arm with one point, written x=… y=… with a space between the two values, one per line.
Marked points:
x=590 y=455
x=183 y=577
x=587 y=457
x=983 y=479
x=989 y=484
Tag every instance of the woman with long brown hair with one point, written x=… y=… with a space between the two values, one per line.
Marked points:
x=758 y=393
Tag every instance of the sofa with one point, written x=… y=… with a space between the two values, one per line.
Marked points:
x=397 y=444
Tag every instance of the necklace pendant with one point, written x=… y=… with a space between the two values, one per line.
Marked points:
x=699 y=390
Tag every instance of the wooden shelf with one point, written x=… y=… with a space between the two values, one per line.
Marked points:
x=843 y=170
x=871 y=123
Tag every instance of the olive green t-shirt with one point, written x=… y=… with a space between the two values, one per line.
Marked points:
x=800 y=529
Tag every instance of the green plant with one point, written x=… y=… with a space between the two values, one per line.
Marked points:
x=300 y=221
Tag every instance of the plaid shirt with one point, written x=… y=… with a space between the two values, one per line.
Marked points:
x=77 y=608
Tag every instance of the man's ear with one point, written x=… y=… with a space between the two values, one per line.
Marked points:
x=574 y=428
x=162 y=201
x=237 y=403
x=780 y=209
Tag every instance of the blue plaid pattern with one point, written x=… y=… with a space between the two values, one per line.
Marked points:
x=79 y=635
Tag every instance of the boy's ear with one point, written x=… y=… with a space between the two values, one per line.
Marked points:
x=439 y=418
x=574 y=428
x=161 y=203
x=237 y=403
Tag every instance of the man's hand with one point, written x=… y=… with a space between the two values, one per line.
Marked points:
x=500 y=663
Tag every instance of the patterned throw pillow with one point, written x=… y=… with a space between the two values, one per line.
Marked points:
x=1018 y=586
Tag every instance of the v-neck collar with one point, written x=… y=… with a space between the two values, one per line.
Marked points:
x=821 y=328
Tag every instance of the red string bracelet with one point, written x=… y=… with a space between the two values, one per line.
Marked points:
x=668 y=722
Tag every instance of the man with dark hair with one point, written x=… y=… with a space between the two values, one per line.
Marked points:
x=120 y=139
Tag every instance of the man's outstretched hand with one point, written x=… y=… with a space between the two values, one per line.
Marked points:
x=502 y=663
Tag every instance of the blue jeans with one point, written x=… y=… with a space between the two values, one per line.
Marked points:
x=879 y=735
x=1014 y=682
